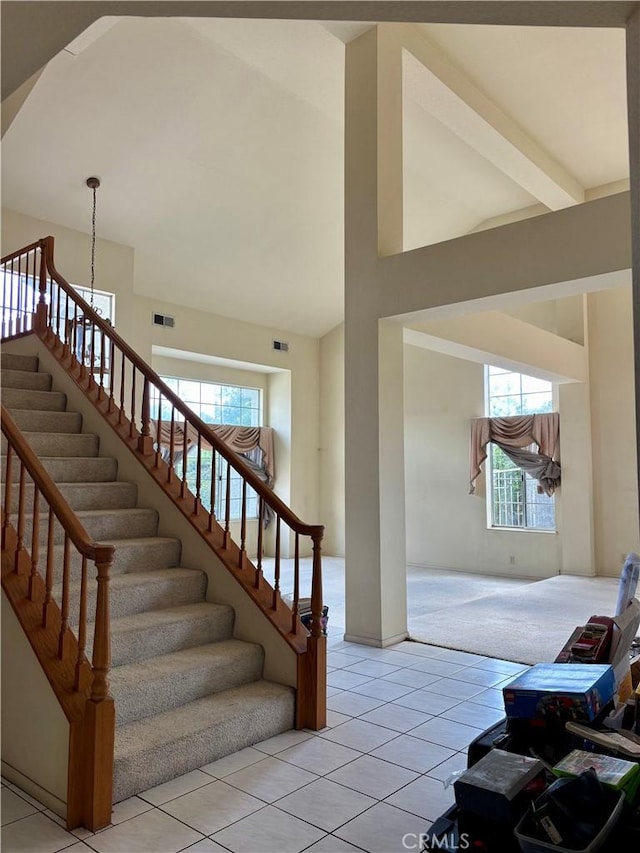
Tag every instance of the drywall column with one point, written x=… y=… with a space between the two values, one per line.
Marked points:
x=374 y=458
x=633 y=120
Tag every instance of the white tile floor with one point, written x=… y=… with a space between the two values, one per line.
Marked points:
x=399 y=724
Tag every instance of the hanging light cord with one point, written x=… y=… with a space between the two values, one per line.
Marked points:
x=93 y=184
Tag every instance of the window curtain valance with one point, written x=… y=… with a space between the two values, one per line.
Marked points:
x=240 y=439
x=513 y=434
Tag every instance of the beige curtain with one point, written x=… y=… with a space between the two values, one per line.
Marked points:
x=238 y=438
x=517 y=431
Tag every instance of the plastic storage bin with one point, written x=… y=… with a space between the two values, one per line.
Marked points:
x=530 y=844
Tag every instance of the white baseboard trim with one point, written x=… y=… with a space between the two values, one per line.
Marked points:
x=372 y=641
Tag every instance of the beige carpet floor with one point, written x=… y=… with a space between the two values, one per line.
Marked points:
x=528 y=624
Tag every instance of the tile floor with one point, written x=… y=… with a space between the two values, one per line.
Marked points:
x=399 y=723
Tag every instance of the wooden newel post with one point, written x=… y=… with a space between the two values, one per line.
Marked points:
x=312 y=665
x=145 y=439
x=99 y=718
x=40 y=320
x=102 y=637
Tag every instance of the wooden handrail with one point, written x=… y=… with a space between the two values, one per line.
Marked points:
x=68 y=519
x=124 y=388
x=20 y=252
x=270 y=498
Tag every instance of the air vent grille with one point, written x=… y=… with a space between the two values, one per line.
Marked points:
x=281 y=346
x=163 y=320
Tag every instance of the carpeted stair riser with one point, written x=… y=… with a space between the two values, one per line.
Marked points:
x=136 y=593
x=26 y=380
x=24 y=363
x=89 y=469
x=60 y=444
x=169 y=681
x=100 y=524
x=20 y=398
x=154 y=750
x=131 y=555
x=33 y=420
x=159 y=632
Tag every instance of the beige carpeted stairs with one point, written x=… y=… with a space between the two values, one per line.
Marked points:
x=186 y=692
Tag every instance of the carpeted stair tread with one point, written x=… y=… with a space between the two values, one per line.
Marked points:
x=162 y=683
x=23 y=363
x=140 y=554
x=159 y=632
x=155 y=749
x=106 y=524
x=25 y=398
x=139 y=591
x=60 y=444
x=36 y=420
x=25 y=379
x=84 y=496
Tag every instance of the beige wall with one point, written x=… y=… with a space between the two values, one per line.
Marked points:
x=35 y=731
x=332 y=440
x=204 y=333
x=446 y=526
x=615 y=491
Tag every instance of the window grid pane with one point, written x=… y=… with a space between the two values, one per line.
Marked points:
x=216 y=404
x=515 y=501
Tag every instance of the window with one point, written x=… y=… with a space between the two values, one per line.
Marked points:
x=217 y=404
x=514 y=499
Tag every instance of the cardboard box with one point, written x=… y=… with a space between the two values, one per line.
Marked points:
x=563 y=691
x=616 y=773
x=494 y=788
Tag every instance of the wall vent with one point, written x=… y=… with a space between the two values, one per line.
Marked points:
x=281 y=346
x=163 y=320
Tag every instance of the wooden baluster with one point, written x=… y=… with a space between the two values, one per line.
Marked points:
x=101 y=660
x=82 y=624
x=21 y=519
x=212 y=510
x=112 y=354
x=66 y=349
x=41 y=320
x=47 y=607
x=196 y=502
x=6 y=516
x=316 y=588
x=243 y=525
x=145 y=439
x=5 y=332
x=35 y=541
x=227 y=509
x=74 y=333
x=159 y=429
x=101 y=388
x=185 y=448
x=172 y=442
x=132 y=422
x=34 y=258
x=58 y=310
x=19 y=298
x=92 y=350
x=295 y=608
x=11 y=293
x=64 y=623
x=259 y=554
x=276 y=571
x=122 y=373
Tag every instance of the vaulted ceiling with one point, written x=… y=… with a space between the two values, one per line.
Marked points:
x=219 y=143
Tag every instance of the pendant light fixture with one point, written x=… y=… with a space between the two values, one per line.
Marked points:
x=93 y=183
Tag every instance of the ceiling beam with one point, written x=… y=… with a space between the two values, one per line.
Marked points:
x=34 y=32
x=442 y=89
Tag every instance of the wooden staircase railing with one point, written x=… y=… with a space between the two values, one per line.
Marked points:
x=82 y=689
x=137 y=404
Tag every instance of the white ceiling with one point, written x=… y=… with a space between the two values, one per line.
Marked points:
x=219 y=144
